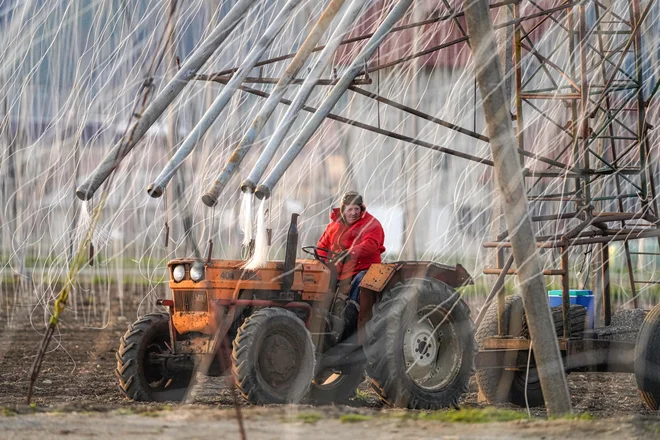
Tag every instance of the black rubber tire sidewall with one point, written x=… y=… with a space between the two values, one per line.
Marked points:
x=647 y=360
x=247 y=348
x=384 y=348
x=499 y=385
x=156 y=326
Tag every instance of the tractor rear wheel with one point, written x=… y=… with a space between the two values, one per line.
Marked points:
x=420 y=345
x=273 y=357
x=140 y=377
x=338 y=386
x=499 y=385
x=647 y=359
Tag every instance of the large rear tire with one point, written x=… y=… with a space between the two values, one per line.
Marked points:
x=420 y=345
x=139 y=377
x=273 y=357
x=499 y=385
x=647 y=359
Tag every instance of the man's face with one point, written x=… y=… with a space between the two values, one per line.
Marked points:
x=352 y=213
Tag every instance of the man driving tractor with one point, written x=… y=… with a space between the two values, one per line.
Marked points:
x=292 y=331
x=358 y=237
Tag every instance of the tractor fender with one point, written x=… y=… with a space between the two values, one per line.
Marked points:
x=381 y=275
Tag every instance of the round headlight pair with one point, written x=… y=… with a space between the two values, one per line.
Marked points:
x=196 y=272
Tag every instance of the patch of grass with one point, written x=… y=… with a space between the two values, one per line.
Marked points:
x=8 y=412
x=125 y=411
x=354 y=418
x=582 y=416
x=144 y=412
x=361 y=395
x=309 y=417
x=474 y=415
x=149 y=413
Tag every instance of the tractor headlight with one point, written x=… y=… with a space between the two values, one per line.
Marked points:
x=197 y=272
x=179 y=272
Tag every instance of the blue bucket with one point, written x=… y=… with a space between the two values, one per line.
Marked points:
x=582 y=297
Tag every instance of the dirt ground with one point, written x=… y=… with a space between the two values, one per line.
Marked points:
x=76 y=397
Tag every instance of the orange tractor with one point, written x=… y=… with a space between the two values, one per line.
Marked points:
x=281 y=332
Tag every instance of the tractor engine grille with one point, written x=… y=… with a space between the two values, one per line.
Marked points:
x=190 y=301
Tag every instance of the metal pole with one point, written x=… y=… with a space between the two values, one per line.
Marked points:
x=605 y=277
x=584 y=102
x=565 y=292
x=410 y=153
x=641 y=107
x=451 y=16
x=263 y=191
x=156 y=188
x=237 y=156
x=497 y=289
x=377 y=130
x=176 y=197
x=194 y=62
x=326 y=56
x=510 y=181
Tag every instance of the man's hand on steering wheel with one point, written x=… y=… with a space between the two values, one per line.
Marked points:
x=330 y=257
x=342 y=256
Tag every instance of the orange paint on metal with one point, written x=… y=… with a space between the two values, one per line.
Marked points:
x=185 y=322
x=513 y=344
x=224 y=276
x=378 y=276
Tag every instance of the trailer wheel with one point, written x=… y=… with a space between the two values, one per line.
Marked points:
x=332 y=386
x=140 y=378
x=273 y=357
x=420 y=345
x=499 y=385
x=647 y=359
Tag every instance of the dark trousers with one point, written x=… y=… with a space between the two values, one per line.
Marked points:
x=354 y=293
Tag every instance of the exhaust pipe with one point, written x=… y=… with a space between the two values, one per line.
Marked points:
x=290 y=254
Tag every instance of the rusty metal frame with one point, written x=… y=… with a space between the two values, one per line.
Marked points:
x=610 y=107
x=599 y=113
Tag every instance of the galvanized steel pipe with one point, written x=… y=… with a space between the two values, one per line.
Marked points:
x=190 y=67
x=156 y=188
x=344 y=26
x=303 y=53
x=263 y=191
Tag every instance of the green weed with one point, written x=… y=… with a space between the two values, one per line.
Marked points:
x=474 y=415
x=8 y=412
x=309 y=417
x=361 y=395
x=582 y=416
x=354 y=418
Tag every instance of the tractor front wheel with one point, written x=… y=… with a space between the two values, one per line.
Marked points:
x=420 y=345
x=140 y=375
x=273 y=357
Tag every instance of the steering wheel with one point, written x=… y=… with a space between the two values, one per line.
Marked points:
x=330 y=256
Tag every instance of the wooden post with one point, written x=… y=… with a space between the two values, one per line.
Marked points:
x=509 y=177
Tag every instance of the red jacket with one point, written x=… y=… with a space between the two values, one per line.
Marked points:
x=363 y=239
